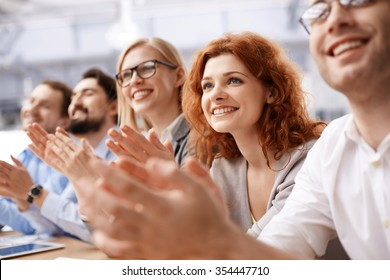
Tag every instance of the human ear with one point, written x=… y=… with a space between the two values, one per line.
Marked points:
x=64 y=123
x=180 y=77
x=113 y=108
x=272 y=94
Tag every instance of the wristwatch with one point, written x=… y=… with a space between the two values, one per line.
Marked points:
x=35 y=191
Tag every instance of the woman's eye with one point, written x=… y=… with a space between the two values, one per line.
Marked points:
x=234 y=81
x=206 y=86
x=126 y=75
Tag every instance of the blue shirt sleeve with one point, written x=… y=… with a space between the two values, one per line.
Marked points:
x=11 y=216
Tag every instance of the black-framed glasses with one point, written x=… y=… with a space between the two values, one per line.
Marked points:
x=320 y=10
x=144 y=70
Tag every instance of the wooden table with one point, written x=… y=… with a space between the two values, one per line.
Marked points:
x=73 y=249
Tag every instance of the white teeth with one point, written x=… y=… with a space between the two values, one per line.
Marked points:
x=221 y=111
x=346 y=46
x=140 y=94
x=78 y=113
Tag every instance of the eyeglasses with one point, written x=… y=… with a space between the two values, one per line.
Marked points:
x=320 y=11
x=144 y=70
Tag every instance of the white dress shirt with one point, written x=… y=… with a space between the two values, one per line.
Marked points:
x=343 y=188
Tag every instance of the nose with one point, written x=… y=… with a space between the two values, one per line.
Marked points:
x=135 y=79
x=31 y=108
x=218 y=94
x=339 y=18
x=76 y=98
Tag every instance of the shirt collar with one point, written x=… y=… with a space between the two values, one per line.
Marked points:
x=102 y=151
x=352 y=133
x=176 y=130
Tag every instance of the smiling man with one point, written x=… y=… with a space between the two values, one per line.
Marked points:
x=342 y=189
x=92 y=111
x=46 y=106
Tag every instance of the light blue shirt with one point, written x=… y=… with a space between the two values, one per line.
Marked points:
x=62 y=208
x=41 y=174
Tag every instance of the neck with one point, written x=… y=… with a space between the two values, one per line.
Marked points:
x=372 y=116
x=250 y=148
x=163 y=118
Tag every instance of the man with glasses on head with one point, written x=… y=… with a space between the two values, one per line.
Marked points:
x=343 y=188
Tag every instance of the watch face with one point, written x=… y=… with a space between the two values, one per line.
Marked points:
x=36 y=191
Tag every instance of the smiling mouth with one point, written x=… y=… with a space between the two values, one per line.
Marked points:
x=79 y=112
x=31 y=120
x=140 y=94
x=221 y=111
x=346 y=47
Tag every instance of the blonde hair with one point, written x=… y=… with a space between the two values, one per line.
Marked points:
x=126 y=114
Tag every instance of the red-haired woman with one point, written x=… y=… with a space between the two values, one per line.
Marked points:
x=246 y=106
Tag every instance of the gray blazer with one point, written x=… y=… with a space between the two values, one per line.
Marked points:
x=178 y=132
x=230 y=175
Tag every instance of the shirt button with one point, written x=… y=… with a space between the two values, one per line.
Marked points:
x=376 y=163
x=386 y=223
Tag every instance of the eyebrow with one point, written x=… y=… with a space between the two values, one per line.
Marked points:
x=84 y=90
x=226 y=74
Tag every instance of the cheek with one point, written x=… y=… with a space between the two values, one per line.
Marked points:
x=23 y=112
x=70 y=108
x=315 y=45
x=205 y=105
x=125 y=97
x=126 y=93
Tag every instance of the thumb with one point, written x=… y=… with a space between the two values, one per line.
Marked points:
x=16 y=161
x=168 y=145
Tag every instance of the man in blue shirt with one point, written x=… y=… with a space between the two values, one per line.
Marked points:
x=47 y=106
x=93 y=110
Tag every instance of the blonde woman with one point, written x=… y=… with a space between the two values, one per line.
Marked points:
x=150 y=77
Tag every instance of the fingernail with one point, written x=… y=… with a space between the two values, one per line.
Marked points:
x=125 y=128
x=114 y=133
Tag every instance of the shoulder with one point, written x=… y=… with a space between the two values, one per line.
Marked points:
x=181 y=130
x=337 y=126
x=333 y=136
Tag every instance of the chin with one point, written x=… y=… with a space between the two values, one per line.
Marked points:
x=220 y=129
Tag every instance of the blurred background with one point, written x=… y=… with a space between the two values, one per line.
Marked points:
x=47 y=39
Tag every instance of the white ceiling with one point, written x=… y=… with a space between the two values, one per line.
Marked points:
x=25 y=10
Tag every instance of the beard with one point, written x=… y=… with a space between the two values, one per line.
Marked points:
x=85 y=126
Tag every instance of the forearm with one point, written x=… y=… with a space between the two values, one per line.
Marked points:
x=65 y=214
x=234 y=244
x=40 y=223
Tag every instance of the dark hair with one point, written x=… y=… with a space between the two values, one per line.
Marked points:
x=107 y=82
x=66 y=94
x=284 y=123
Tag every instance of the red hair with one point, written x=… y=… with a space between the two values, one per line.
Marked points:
x=284 y=123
